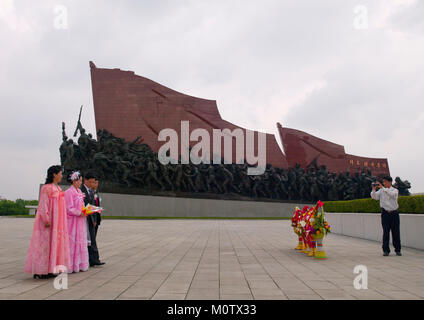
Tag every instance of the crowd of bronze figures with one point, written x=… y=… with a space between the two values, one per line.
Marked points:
x=135 y=165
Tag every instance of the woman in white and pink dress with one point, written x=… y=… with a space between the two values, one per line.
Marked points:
x=77 y=224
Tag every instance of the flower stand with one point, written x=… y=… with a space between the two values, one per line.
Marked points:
x=299 y=244
x=313 y=249
x=319 y=253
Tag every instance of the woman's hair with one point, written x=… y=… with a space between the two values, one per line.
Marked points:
x=51 y=171
x=74 y=176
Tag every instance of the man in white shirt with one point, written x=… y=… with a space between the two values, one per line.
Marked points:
x=388 y=197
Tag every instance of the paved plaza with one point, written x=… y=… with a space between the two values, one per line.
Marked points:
x=213 y=259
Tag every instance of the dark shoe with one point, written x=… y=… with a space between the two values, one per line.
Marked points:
x=100 y=263
x=385 y=254
x=398 y=253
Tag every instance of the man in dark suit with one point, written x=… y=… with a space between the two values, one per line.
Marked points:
x=92 y=223
x=97 y=201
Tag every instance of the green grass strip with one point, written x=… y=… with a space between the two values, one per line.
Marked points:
x=167 y=218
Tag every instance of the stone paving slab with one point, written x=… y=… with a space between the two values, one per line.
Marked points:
x=213 y=259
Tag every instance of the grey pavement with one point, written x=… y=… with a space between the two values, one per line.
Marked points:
x=213 y=259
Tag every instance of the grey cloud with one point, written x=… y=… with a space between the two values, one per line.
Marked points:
x=256 y=59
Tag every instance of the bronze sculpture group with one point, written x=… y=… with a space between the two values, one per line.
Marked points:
x=133 y=165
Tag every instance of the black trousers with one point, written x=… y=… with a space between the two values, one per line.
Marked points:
x=390 y=222
x=93 y=252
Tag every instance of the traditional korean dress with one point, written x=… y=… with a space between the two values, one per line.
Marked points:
x=77 y=227
x=48 y=251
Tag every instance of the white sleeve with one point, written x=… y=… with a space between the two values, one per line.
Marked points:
x=375 y=194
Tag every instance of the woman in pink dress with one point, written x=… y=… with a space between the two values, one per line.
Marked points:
x=48 y=252
x=77 y=224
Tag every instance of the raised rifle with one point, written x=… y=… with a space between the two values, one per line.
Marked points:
x=78 y=123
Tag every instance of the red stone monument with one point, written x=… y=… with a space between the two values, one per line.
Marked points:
x=128 y=105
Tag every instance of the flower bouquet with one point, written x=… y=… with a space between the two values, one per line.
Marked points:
x=297 y=228
x=90 y=209
x=318 y=222
x=320 y=228
x=311 y=227
x=307 y=232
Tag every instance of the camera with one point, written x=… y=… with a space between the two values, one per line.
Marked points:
x=375 y=184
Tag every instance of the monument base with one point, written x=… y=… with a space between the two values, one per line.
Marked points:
x=161 y=206
x=133 y=205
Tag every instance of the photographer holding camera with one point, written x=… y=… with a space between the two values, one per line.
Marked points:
x=388 y=196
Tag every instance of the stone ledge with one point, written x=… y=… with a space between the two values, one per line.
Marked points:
x=368 y=226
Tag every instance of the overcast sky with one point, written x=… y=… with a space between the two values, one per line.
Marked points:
x=351 y=72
